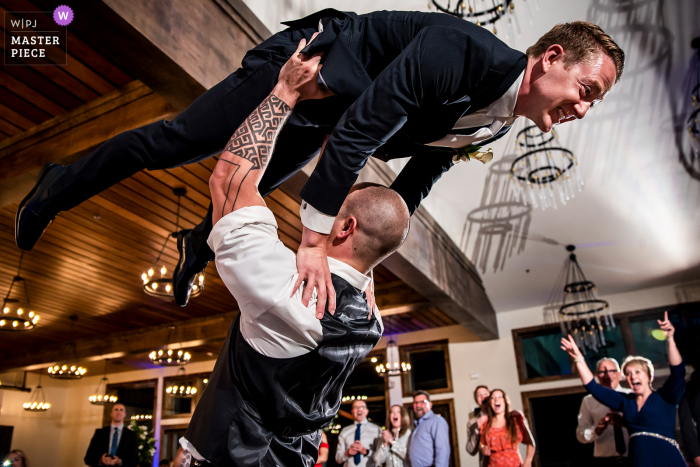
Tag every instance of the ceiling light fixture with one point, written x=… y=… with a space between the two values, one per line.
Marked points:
x=169 y=357
x=37 y=401
x=17 y=316
x=182 y=388
x=68 y=370
x=101 y=397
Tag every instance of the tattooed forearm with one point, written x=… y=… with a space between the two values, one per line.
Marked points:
x=254 y=138
x=249 y=150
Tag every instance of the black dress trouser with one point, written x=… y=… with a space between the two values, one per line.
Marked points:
x=200 y=131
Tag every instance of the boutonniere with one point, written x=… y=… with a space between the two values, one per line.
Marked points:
x=470 y=152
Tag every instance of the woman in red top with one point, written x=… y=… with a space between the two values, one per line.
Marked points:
x=503 y=432
x=322 y=451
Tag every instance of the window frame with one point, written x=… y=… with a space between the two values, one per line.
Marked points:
x=403 y=353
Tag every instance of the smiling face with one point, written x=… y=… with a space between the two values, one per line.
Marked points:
x=421 y=406
x=359 y=410
x=637 y=378
x=553 y=93
x=481 y=397
x=15 y=459
x=395 y=417
x=498 y=402
x=608 y=375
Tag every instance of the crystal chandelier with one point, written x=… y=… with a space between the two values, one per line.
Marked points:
x=545 y=172
x=37 y=401
x=100 y=397
x=582 y=314
x=181 y=390
x=68 y=370
x=393 y=366
x=494 y=14
x=163 y=286
x=16 y=317
x=169 y=357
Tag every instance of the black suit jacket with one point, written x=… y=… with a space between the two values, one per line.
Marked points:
x=127 y=451
x=412 y=76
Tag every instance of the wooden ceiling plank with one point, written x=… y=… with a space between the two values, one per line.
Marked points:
x=26 y=92
x=27 y=109
x=15 y=118
x=42 y=85
x=8 y=128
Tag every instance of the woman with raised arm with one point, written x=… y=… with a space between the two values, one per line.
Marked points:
x=650 y=415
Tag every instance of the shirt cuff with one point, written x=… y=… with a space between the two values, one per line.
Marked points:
x=315 y=220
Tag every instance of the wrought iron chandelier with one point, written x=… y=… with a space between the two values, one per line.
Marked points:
x=169 y=357
x=582 y=314
x=545 y=172
x=183 y=390
x=163 y=286
x=394 y=366
x=37 y=402
x=67 y=370
x=488 y=13
x=101 y=397
x=16 y=316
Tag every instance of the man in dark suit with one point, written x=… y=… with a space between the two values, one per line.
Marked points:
x=404 y=84
x=113 y=444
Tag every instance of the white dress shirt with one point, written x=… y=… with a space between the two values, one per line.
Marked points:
x=368 y=437
x=260 y=272
x=590 y=414
x=119 y=429
x=496 y=116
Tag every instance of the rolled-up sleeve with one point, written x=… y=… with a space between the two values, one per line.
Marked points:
x=252 y=262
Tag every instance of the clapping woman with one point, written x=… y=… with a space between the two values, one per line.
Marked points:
x=392 y=448
x=650 y=415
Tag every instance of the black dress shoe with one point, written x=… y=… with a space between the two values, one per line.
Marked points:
x=188 y=265
x=35 y=212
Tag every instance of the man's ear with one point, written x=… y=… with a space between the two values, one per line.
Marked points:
x=349 y=227
x=554 y=52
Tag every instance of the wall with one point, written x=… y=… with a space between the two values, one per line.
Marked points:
x=61 y=435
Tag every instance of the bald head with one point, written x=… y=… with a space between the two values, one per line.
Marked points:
x=382 y=221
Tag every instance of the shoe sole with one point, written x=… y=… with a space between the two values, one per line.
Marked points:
x=42 y=174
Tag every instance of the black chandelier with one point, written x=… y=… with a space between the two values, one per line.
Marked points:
x=163 y=286
x=167 y=356
x=545 y=172
x=487 y=13
x=67 y=368
x=181 y=389
x=393 y=366
x=581 y=313
x=101 y=397
x=16 y=316
x=37 y=402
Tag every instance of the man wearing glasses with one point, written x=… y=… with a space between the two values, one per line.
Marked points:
x=598 y=425
x=430 y=445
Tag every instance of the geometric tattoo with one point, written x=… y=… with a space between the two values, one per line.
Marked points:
x=254 y=140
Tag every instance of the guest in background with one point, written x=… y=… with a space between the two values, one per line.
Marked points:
x=16 y=458
x=689 y=415
x=355 y=441
x=430 y=445
x=322 y=451
x=650 y=416
x=476 y=419
x=503 y=432
x=392 y=448
x=113 y=444
x=594 y=418
x=164 y=463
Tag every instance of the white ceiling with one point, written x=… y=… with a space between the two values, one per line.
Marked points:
x=637 y=221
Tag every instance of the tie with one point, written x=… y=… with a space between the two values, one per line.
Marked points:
x=619 y=440
x=115 y=442
x=358 y=456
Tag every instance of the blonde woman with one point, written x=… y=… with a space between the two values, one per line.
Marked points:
x=392 y=448
x=650 y=415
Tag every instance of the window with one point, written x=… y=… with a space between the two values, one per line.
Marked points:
x=139 y=399
x=430 y=368
x=539 y=356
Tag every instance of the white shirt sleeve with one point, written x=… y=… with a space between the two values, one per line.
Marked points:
x=314 y=219
x=585 y=431
x=260 y=272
